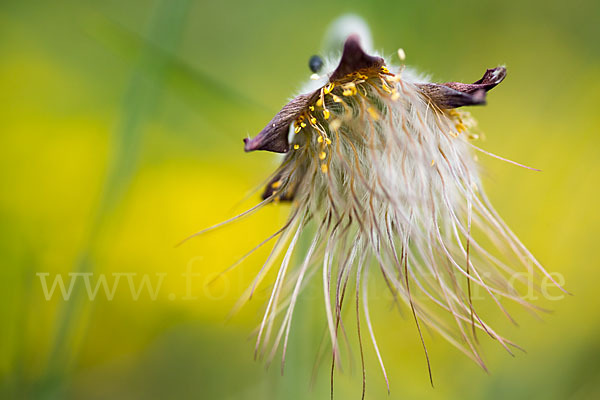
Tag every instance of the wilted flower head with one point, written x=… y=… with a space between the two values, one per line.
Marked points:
x=380 y=163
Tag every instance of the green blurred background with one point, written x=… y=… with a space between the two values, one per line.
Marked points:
x=120 y=132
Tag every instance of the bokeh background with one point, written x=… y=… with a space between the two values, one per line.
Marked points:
x=120 y=133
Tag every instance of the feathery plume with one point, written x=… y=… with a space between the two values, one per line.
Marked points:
x=380 y=162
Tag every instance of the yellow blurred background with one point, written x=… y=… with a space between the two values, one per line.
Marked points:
x=120 y=133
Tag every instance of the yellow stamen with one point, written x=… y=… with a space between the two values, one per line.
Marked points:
x=349 y=89
x=322 y=155
x=297 y=128
x=327 y=140
x=327 y=89
x=320 y=139
x=324 y=168
x=385 y=87
x=296 y=146
x=276 y=184
x=326 y=114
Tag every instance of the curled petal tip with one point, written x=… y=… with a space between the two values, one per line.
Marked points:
x=274 y=136
x=488 y=81
x=247 y=146
x=493 y=76
x=269 y=139
x=457 y=94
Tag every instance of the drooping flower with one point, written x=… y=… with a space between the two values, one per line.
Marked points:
x=381 y=163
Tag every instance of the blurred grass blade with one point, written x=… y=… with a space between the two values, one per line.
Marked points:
x=186 y=80
x=140 y=101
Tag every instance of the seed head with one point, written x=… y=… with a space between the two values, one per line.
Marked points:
x=380 y=163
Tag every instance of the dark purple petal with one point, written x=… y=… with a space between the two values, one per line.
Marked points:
x=274 y=137
x=456 y=94
x=445 y=97
x=354 y=59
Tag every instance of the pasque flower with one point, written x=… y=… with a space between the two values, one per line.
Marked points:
x=379 y=162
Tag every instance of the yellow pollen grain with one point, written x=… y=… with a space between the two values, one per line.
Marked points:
x=297 y=129
x=276 y=184
x=324 y=168
x=322 y=155
x=327 y=140
x=313 y=120
x=320 y=139
x=302 y=124
x=319 y=102
x=296 y=146
x=311 y=108
x=326 y=114
x=373 y=113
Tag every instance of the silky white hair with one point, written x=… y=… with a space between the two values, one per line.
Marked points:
x=380 y=178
